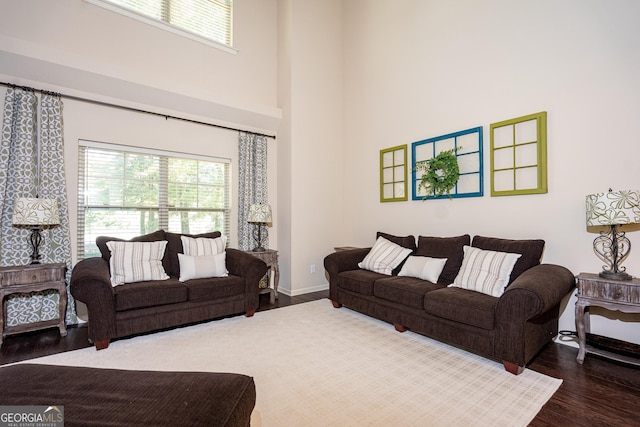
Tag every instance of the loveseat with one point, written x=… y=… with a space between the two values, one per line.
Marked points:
x=510 y=326
x=218 y=285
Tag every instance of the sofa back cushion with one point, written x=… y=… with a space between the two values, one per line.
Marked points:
x=174 y=247
x=531 y=251
x=445 y=247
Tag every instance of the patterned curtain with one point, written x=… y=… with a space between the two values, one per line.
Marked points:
x=252 y=187
x=19 y=178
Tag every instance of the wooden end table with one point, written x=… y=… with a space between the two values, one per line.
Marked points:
x=593 y=290
x=270 y=257
x=33 y=278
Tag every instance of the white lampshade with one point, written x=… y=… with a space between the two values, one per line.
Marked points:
x=613 y=208
x=259 y=213
x=35 y=211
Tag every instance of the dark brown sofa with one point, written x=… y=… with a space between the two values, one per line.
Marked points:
x=135 y=308
x=511 y=328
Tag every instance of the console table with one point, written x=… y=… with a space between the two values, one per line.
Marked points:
x=33 y=278
x=270 y=257
x=593 y=290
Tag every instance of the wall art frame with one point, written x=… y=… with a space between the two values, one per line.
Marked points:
x=518 y=155
x=393 y=174
x=467 y=145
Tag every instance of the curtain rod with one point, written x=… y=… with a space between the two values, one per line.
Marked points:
x=123 y=107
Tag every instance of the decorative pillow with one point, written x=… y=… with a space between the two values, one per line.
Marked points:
x=198 y=267
x=384 y=256
x=136 y=261
x=485 y=271
x=423 y=267
x=203 y=246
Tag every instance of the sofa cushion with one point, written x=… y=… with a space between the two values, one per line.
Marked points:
x=485 y=271
x=136 y=261
x=214 y=288
x=462 y=305
x=149 y=294
x=408 y=242
x=198 y=267
x=174 y=247
x=444 y=247
x=407 y=291
x=101 y=242
x=359 y=281
x=531 y=251
x=384 y=256
x=423 y=267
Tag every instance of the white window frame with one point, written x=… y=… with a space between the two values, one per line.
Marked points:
x=163 y=209
x=105 y=4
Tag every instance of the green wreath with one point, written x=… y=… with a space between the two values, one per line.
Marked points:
x=440 y=174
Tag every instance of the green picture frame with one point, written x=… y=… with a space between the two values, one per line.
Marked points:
x=393 y=174
x=518 y=155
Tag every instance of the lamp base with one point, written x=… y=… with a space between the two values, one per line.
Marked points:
x=615 y=276
x=258 y=249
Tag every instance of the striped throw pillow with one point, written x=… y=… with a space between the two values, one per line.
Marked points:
x=485 y=271
x=136 y=261
x=200 y=246
x=384 y=256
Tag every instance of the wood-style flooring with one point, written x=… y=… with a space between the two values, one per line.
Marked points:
x=598 y=393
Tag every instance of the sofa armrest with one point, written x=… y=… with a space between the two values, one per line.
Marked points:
x=340 y=261
x=91 y=284
x=534 y=297
x=251 y=270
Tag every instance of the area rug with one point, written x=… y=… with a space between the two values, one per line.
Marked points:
x=315 y=365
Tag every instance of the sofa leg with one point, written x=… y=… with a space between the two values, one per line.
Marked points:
x=399 y=327
x=336 y=304
x=101 y=344
x=250 y=313
x=512 y=368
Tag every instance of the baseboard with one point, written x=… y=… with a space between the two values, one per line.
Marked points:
x=302 y=291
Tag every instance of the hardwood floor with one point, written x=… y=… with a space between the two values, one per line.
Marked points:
x=598 y=393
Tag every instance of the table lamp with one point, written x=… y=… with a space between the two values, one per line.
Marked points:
x=35 y=213
x=612 y=209
x=260 y=215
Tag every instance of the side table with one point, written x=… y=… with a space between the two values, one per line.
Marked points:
x=593 y=290
x=32 y=278
x=270 y=257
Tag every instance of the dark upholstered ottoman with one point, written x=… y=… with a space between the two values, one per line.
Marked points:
x=115 y=397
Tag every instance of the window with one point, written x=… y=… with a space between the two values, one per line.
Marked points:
x=209 y=19
x=125 y=192
x=393 y=174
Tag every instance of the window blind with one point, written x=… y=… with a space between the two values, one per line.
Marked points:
x=210 y=19
x=126 y=193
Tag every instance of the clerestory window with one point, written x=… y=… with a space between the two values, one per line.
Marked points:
x=207 y=19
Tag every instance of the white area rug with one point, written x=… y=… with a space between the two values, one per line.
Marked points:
x=315 y=365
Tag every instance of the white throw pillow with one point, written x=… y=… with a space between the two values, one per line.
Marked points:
x=136 y=261
x=485 y=271
x=198 y=267
x=198 y=246
x=423 y=267
x=384 y=256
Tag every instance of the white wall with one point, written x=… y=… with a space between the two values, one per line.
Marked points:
x=310 y=167
x=426 y=68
